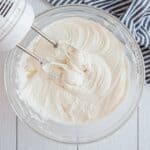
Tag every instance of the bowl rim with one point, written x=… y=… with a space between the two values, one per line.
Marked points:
x=124 y=121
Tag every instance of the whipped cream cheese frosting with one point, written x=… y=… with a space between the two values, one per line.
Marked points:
x=91 y=67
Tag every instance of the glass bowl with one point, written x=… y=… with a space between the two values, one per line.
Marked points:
x=69 y=133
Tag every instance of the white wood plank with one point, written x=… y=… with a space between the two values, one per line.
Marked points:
x=7 y=116
x=124 y=139
x=30 y=140
x=144 y=120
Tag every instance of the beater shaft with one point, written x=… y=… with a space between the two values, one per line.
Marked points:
x=36 y=29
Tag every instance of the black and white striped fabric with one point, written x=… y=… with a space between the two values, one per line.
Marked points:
x=135 y=14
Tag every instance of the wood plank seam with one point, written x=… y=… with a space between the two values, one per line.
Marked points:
x=138 y=138
x=16 y=133
x=77 y=146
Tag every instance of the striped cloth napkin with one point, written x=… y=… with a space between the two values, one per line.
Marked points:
x=135 y=14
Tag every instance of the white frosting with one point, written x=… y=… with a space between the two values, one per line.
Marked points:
x=92 y=74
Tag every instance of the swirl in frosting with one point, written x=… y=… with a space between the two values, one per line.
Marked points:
x=92 y=67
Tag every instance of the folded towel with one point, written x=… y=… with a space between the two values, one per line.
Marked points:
x=135 y=14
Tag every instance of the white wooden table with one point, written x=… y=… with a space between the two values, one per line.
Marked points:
x=14 y=135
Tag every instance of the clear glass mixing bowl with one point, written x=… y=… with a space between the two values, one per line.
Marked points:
x=76 y=133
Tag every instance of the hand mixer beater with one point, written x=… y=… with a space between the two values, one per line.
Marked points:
x=16 y=19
